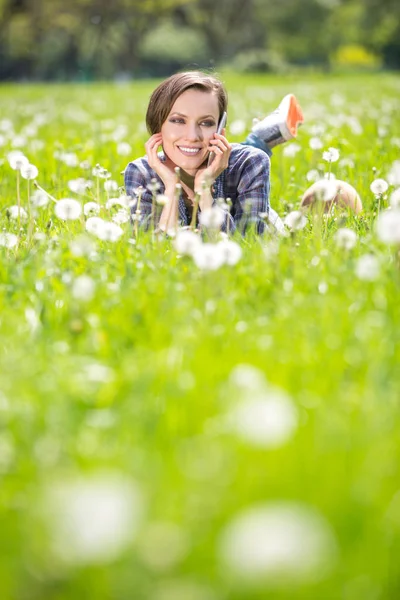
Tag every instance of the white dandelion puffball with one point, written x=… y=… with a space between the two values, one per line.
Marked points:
x=331 y=155
x=186 y=242
x=247 y=377
x=279 y=540
x=208 y=257
x=83 y=288
x=345 y=238
x=110 y=185
x=291 y=150
x=91 y=208
x=267 y=420
x=330 y=191
x=237 y=127
x=29 y=171
x=79 y=186
x=124 y=149
x=94 y=224
x=295 y=220
x=388 y=226
x=122 y=216
x=17 y=160
x=231 y=252
x=212 y=218
x=394 y=173
x=68 y=209
x=8 y=240
x=15 y=211
x=39 y=199
x=92 y=519
x=395 y=198
x=379 y=187
x=315 y=143
x=368 y=268
x=109 y=232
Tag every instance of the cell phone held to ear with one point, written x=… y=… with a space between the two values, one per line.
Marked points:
x=221 y=125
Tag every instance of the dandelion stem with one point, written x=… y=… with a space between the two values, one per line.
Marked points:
x=18 y=200
x=195 y=209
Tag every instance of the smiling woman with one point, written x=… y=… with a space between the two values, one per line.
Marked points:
x=183 y=117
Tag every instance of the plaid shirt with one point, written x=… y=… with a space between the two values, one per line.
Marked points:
x=246 y=181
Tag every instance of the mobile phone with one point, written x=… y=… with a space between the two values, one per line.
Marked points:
x=221 y=125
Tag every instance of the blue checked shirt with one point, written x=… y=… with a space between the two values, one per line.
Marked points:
x=246 y=181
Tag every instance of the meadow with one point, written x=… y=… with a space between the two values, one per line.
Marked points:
x=172 y=431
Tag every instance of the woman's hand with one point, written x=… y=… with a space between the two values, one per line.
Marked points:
x=166 y=174
x=221 y=148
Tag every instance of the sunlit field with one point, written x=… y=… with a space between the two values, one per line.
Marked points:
x=182 y=428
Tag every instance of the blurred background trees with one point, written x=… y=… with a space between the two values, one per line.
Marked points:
x=92 y=39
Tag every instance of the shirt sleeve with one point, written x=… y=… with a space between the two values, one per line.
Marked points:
x=136 y=178
x=253 y=193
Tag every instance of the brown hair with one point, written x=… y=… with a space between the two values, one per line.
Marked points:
x=165 y=95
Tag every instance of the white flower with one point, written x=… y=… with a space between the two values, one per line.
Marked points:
x=237 y=127
x=91 y=519
x=110 y=185
x=266 y=419
x=395 y=198
x=379 y=187
x=8 y=240
x=394 y=173
x=313 y=175
x=325 y=189
x=69 y=158
x=291 y=150
x=367 y=268
x=14 y=211
x=91 y=208
x=100 y=172
x=208 y=257
x=231 y=251
x=83 y=288
x=80 y=185
x=345 y=238
x=331 y=155
x=247 y=377
x=68 y=209
x=109 y=232
x=281 y=540
x=39 y=199
x=29 y=171
x=212 y=218
x=162 y=199
x=295 y=220
x=122 y=216
x=315 y=143
x=186 y=242
x=388 y=226
x=94 y=225
x=17 y=160
x=124 y=149
x=82 y=245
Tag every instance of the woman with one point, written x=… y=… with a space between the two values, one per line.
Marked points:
x=182 y=117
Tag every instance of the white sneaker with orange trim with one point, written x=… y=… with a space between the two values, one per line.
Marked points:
x=281 y=125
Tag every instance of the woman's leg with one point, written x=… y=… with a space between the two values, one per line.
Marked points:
x=278 y=127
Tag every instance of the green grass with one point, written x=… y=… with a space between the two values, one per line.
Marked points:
x=171 y=336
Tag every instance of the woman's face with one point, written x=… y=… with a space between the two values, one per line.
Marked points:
x=189 y=127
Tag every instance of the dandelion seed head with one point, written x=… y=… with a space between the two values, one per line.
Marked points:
x=379 y=187
x=278 y=540
x=8 y=240
x=186 y=242
x=231 y=252
x=68 y=209
x=331 y=155
x=208 y=257
x=295 y=220
x=368 y=268
x=345 y=238
x=388 y=226
x=14 y=212
x=91 y=208
x=29 y=171
x=212 y=218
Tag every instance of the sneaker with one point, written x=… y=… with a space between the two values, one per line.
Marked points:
x=281 y=125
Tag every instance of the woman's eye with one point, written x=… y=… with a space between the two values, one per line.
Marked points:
x=175 y=120
x=208 y=123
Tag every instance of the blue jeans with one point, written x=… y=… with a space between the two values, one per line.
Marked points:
x=253 y=140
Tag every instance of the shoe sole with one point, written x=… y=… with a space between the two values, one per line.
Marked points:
x=294 y=117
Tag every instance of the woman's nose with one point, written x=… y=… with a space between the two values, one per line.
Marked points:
x=193 y=132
